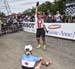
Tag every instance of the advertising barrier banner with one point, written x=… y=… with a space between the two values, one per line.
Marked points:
x=62 y=30
x=29 y=27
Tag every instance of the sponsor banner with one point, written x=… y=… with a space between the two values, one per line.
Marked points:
x=29 y=26
x=62 y=30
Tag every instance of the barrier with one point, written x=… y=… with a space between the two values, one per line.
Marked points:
x=29 y=27
x=62 y=30
x=5 y=29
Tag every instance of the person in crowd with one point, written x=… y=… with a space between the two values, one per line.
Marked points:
x=49 y=16
x=28 y=61
x=15 y=24
x=2 y=25
x=32 y=18
x=73 y=19
x=9 y=22
x=58 y=17
x=44 y=16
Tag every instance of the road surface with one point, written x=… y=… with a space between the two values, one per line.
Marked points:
x=60 y=51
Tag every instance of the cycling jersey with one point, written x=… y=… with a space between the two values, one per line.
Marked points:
x=29 y=60
x=40 y=23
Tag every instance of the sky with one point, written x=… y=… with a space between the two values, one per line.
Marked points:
x=17 y=6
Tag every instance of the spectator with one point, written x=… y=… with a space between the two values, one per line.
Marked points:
x=58 y=17
x=1 y=23
x=49 y=20
x=32 y=18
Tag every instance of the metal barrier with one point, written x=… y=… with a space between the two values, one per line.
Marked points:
x=10 y=29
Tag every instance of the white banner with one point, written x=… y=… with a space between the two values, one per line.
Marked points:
x=62 y=30
x=29 y=27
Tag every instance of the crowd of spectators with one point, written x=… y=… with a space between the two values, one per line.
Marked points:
x=52 y=18
x=13 y=23
x=9 y=24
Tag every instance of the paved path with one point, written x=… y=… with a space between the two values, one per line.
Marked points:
x=61 y=51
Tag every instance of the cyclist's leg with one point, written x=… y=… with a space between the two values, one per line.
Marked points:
x=43 y=38
x=38 y=38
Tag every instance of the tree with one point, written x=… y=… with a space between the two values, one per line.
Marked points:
x=66 y=1
x=2 y=14
x=45 y=7
x=27 y=12
x=58 y=6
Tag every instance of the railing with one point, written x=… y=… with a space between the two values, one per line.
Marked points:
x=10 y=29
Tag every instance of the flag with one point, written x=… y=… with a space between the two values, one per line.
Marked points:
x=70 y=9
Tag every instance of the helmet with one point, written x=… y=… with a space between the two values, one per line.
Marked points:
x=28 y=47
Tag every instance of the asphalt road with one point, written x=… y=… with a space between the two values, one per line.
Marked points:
x=60 y=51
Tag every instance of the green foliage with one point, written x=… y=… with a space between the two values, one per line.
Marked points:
x=65 y=1
x=33 y=10
x=2 y=14
x=69 y=1
x=58 y=5
x=45 y=7
x=53 y=7
x=29 y=11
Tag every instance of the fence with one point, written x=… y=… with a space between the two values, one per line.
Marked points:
x=5 y=29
